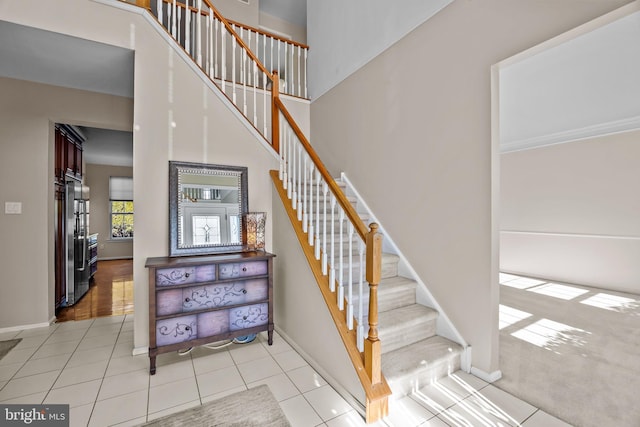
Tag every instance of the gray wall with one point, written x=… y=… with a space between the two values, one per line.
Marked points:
x=422 y=159
x=570 y=212
x=97 y=178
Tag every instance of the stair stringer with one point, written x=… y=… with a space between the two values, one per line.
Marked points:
x=444 y=325
x=190 y=62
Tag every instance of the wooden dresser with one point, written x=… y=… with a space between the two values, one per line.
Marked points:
x=196 y=300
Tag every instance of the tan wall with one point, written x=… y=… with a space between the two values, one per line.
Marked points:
x=273 y=23
x=422 y=158
x=97 y=178
x=188 y=123
x=29 y=111
x=570 y=212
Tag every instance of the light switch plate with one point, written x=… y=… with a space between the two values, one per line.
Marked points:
x=13 y=208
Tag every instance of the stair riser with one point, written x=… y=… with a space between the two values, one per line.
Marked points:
x=388 y=271
x=414 y=381
x=389 y=301
x=396 y=339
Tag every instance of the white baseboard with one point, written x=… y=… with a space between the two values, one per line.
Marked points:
x=488 y=377
x=140 y=350
x=23 y=327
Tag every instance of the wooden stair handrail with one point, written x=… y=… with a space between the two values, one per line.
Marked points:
x=267 y=33
x=349 y=210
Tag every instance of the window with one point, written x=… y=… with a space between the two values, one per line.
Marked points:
x=121 y=207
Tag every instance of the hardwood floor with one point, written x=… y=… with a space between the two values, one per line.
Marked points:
x=110 y=294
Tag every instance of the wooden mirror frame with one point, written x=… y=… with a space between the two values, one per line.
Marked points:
x=175 y=208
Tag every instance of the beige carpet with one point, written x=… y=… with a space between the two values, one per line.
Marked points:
x=572 y=351
x=254 y=407
x=6 y=346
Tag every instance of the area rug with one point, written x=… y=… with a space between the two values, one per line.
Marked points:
x=6 y=346
x=254 y=407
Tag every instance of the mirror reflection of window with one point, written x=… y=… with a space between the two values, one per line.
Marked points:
x=206 y=230
x=234 y=228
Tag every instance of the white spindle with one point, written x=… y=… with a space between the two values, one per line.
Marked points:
x=223 y=62
x=215 y=47
x=282 y=173
x=325 y=189
x=255 y=94
x=298 y=151
x=300 y=155
x=173 y=17
x=350 y=280
x=285 y=160
x=305 y=209
x=264 y=87
x=360 y=331
x=311 y=213
x=233 y=66
x=340 y=295
x=317 y=239
x=199 y=17
x=286 y=68
x=179 y=13
x=299 y=54
x=332 y=270
x=244 y=76
x=305 y=73
x=187 y=29
x=159 y=5
x=207 y=49
x=279 y=70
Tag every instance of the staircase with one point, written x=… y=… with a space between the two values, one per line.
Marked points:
x=412 y=354
x=360 y=284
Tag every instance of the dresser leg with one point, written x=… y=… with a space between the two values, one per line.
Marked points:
x=270 y=337
x=152 y=365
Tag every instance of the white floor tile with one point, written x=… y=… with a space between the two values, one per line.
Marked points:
x=29 y=342
x=18 y=387
x=119 y=409
x=242 y=353
x=168 y=395
x=84 y=357
x=69 y=336
x=299 y=412
x=279 y=345
x=123 y=349
x=327 y=402
x=17 y=356
x=131 y=381
x=35 y=398
x=218 y=381
x=259 y=369
x=173 y=410
x=108 y=320
x=121 y=365
x=173 y=372
x=8 y=371
x=82 y=373
x=542 y=419
x=352 y=419
x=306 y=379
x=97 y=341
x=211 y=398
x=79 y=416
x=55 y=349
x=100 y=330
x=39 y=366
x=280 y=385
x=75 y=395
x=210 y=360
x=407 y=412
x=289 y=360
x=47 y=330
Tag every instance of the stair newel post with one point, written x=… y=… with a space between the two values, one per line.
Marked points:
x=372 y=345
x=275 y=114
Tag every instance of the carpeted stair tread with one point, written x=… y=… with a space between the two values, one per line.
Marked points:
x=416 y=365
x=405 y=325
x=393 y=292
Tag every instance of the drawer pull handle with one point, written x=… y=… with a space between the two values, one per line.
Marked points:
x=187 y=299
x=186 y=274
x=244 y=291
x=244 y=317
x=244 y=268
x=188 y=328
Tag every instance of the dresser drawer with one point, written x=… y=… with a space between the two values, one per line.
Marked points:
x=213 y=323
x=185 y=275
x=243 y=269
x=248 y=316
x=176 y=330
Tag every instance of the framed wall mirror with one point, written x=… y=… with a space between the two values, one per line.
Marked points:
x=206 y=203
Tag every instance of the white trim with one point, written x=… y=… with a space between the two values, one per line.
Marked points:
x=588 y=236
x=601 y=129
x=444 y=326
x=488 y=377
x=25 y=327
x=465 y=359
x=140 y=350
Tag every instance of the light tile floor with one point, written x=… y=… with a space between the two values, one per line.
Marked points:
x=88 y=365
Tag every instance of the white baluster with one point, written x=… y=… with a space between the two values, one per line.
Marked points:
x=285 y=160
x=286 y=68
x=294 y=199
x=279 y=70
x=325 y=189
x=311 y=213
x=179 y=13
x=299 y=205
x=255 y=94
x=340 y=295
x=360 y=331
x=305 y=73
x=233 y=65
x=244 y=79
x=199 y=17
x=159 y=5
x=318 y=183
x=305 y=209
x=223 y=62
x=350 y=282
x=173 y=17
x=332 y=270
x=291 y=147
x=299 y=55
x=207 y=48
x=215 y=46
x=264 y=87
x=187 y=29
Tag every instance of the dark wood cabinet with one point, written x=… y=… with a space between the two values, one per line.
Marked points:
x=68 y=153
x=198 y=300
